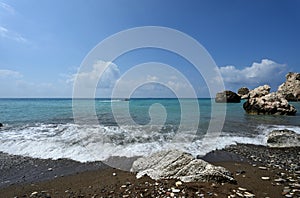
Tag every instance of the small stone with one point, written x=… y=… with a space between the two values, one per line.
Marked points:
x=262 y=168
x=123 y=186
x=242 y=189
x=239 y=194
x=50 y=169
x=174 y=190
x=296 y=185
x=33 y=194
x=114 y=174
x=172 y=194
x=265 y=178
x=178 y=183
x=280 y=180
x=249 y=195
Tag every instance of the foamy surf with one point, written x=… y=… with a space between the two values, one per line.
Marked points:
x=96 y=143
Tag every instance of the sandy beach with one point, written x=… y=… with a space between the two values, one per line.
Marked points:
x=258 y=170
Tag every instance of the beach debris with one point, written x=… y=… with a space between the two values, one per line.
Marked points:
x=175 y=164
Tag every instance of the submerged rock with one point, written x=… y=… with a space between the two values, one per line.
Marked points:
x=244 y=93
x=261 y=101
x=227 y=96
x=1 y=125
x=174 y=164
x=283 y=138
x=290 y=89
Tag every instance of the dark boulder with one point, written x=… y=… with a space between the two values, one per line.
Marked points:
x=227 y=96
x=1 y=125
x=244 y=92
x=283 y=138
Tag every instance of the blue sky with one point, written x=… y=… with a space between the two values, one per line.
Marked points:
x=42 y=43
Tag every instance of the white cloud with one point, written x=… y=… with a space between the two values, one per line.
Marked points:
x=7 y=8
x=5 y=73
x=89 y=79
x=5 y=33
x=265 y=72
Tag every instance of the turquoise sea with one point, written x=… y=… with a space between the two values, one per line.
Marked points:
x=49 y=128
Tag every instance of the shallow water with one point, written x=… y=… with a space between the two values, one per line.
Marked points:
x=46 y=128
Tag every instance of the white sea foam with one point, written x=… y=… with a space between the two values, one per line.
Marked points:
x=91 y=143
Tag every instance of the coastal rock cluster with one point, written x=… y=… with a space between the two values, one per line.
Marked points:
x=261 y=101
x=290 y=89
x=174 y=164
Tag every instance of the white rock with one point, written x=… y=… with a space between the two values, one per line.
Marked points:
x=174 y=164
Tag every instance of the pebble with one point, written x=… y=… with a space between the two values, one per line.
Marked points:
x=262 y=168
x=33 y=194
x=174 y=190
x=247 y=194
x=265 y=178
x=296 y=185
x=50 y=169
x=178 y=183
x=242 y=189
x=280 y=180
x=114 y=174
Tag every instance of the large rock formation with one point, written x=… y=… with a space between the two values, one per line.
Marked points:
x=283 y=138
x=227 y=96
x=290 y=89
x=261 y=101
x=174 y=164
x=244 y=93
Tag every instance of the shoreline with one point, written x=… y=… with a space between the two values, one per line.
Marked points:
x=67 y=178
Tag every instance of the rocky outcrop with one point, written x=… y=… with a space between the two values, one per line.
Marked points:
x=1 y=125
x=290 y=89
x=283 y=138
x=227 y=96
x=174 y=164
x=244 y=93
x=261 y=101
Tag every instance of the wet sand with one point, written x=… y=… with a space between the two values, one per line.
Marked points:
x=259 y=171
